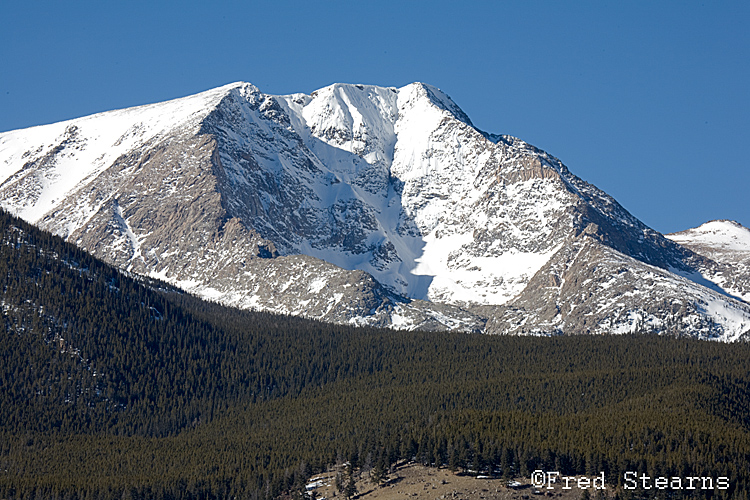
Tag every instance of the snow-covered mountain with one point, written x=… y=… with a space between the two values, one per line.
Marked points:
x=727 y=243
x=358 y=204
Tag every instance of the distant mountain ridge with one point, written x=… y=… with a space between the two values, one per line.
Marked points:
x=365 y=205
x=726 y=243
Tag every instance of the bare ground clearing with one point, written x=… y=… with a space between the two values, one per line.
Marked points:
x=414 y=481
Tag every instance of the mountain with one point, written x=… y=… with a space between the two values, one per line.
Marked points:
x=364 y=205
x=726 y=243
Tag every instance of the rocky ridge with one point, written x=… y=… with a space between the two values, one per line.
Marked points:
x=361 y=204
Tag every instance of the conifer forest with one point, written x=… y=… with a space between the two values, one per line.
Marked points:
x=119 y=387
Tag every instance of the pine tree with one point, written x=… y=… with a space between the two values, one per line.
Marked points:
x=350 y=485
x=379 y=473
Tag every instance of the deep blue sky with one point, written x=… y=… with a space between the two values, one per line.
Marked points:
x=648 y=100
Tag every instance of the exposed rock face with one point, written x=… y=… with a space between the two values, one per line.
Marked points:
x=360 y=204
x=589 y=288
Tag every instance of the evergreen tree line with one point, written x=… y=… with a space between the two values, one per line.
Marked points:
x=117 y=387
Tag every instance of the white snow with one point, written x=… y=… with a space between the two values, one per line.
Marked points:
x=718 y=234
x=132 y=238
x=732 y=316
x=317 y=285
x=727 y=242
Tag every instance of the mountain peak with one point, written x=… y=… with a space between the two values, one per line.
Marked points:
x=721 y=233
x=437 y=98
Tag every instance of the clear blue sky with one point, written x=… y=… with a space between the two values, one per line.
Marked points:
x=648 y=100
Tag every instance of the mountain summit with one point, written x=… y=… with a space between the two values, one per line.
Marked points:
x=361 y=204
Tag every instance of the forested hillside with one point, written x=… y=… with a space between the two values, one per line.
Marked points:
x=113 y=388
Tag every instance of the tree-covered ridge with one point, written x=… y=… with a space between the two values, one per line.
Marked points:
x=112 y=387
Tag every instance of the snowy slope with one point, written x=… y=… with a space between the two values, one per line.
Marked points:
x=727 y=243
x=717 y=237
x=42 y=165
x=589 y=288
